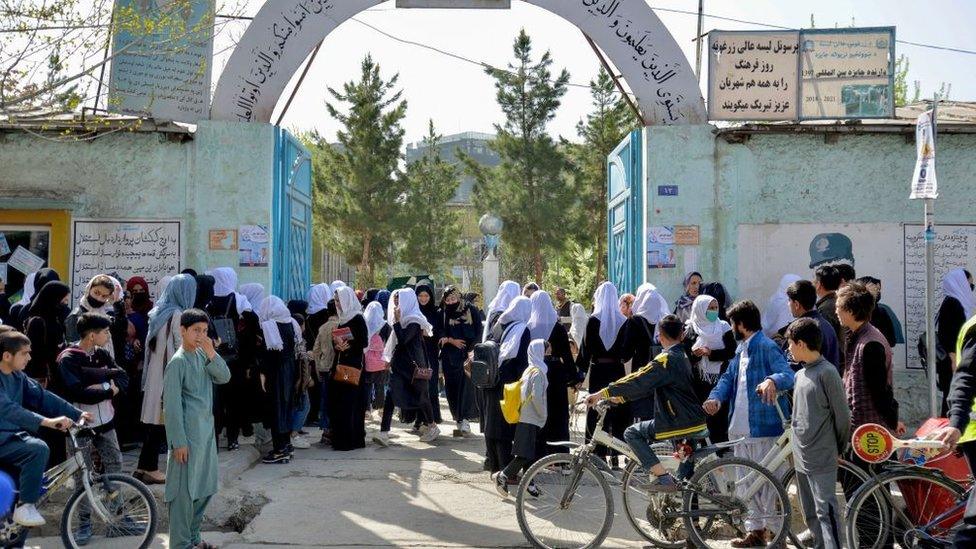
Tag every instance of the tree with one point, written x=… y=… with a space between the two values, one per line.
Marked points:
x=526 y=190
x=601 y=132
x=901 y=83
x=357 y=180
x=432 y=229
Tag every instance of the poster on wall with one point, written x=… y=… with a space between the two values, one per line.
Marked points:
x=766 y=252
x=4 y=246
x=164 y=74
x=752 y=75
x=955 y=247
x=660 y=247
x=255 y=246
x=151 y=249
x=847 y=73
x=25 y=261
x=223 y=239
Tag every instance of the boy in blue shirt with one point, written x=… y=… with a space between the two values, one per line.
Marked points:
x=25 y=407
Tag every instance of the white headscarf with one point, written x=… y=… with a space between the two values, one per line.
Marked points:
x=507 y=291
x=410 y=313
x=543 y=317
x=578 y=328
x=272 y=312
x=955 y=285
x=777 y=313
x=606 y=309
x=348 y=303
x=29 y=290
x=650 y=304
x=225 y=284
x=517 y=317
x=709 y=335
x=254 y=293
x=107 y=306
x=319 y=297
x=374 y=319
x=161 y=285
x=336 y=284
x=537 y=359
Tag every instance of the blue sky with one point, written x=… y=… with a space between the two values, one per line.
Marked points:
x=460 y=97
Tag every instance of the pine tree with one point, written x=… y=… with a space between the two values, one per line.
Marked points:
x=432 y=229
x=527 y=189
x=601 y=132
x=357 y=180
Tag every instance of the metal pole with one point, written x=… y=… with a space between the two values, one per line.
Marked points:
x=698 y=45
x=935 y=402
x=298 y=84
x=620 y=87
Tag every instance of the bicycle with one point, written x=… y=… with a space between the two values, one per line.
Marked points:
x=713 y=502
x=906 y=503
x=120 y=510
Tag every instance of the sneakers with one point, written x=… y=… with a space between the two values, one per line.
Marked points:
x=755 y=538
x=382 y=438
x=83 y=534
x=501 y=484
x=276 y=457
x=663 y=483
x=28 y=516
x=300 y=442
x=231 y=446
x=533 y=490
x=430 y=434
x=463 y=429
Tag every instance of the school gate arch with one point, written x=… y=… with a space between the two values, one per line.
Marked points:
x=284 y=33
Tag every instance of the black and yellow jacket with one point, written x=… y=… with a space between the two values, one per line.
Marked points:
x=677 y=411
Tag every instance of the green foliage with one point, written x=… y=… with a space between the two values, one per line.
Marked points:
x=575 y=270
x=357 y=181
x=431 y=229
x=527 y=189
x=901 y=83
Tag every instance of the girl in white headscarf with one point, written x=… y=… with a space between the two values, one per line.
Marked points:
x=561 y=373
x=405 y=353
x=777 y=315
x=376 y=373
x=710 y=344
x=511 y=333
x=601 y=356
x=578 y=327
x=507 y=291
x=347 y=402
x=278 y=368
x=648 y=309
x=254 y=293
x=533 y=416
x=225 y=284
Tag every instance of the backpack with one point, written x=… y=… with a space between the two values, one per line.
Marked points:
x=374 y=355
x=512 y=401
x=226 y=330
x=484 y=365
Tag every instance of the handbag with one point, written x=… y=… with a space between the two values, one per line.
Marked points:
x=420 y=372
x=347 y=374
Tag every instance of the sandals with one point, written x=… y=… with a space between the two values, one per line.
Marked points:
x=146 y=478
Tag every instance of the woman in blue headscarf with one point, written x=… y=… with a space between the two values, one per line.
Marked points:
x=162 y=342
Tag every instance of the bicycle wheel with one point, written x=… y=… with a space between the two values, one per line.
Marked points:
x=730 y=496
x=550 y=519
x=850 y=477
x=131 y=520
x=904 y=506
x=653 y=515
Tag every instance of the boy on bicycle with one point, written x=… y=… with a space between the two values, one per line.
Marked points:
x=677 y=412
x=25 y=407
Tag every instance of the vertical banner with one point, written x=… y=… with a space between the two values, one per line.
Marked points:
x=924 y=184
x=163 y=58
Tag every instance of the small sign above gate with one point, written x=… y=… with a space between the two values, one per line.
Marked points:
x=456 y=4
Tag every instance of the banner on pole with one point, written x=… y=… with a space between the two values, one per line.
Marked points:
x=924 y=183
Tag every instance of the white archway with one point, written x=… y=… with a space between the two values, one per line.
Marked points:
x=284 y=33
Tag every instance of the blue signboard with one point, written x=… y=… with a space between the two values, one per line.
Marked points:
x=667 y=190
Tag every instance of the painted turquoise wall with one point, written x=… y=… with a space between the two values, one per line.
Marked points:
x=219 y=179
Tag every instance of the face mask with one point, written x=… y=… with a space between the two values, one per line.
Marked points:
x=712 y=316
x=95 y=302
x=140 y=298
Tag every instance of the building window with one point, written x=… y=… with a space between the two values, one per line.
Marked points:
x=34 y=238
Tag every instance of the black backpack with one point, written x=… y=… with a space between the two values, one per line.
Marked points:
x=484 y=365
x=226 y=330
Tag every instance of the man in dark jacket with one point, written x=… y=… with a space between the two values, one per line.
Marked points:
x=677 y=413
x=803 y=300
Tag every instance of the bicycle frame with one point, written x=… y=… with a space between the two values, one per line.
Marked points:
x=57 y=476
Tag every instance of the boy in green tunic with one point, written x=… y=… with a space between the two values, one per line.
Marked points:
x=191 y=472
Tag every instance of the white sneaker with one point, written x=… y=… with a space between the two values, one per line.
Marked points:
x=27 y=515
x=430 y=434
x=465 y=428
x=300 y=442
x=382 y=438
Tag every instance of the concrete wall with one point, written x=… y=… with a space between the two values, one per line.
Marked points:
x=219 y=179
x=772 y=192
